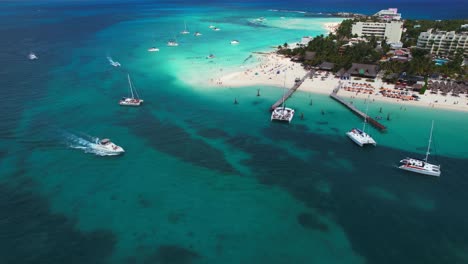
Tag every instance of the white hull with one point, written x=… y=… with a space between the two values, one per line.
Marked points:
x=360 y=138
x=282 y=114
x=153 y=49
x=108 y=147
x=184 y=32
x=234 y=42
x=130 y=102
x=172 y=44
x=32 y=56
x=421 y=167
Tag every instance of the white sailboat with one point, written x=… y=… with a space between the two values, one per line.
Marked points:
x=421 y=166
x=359 y=136
x=282 y=113
x=134 y=99
x=185 y=31
x=234 y=42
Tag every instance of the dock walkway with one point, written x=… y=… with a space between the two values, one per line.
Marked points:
x=351 y=107
x=290 y=91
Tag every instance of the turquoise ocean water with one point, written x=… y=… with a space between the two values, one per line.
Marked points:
x=204 y=180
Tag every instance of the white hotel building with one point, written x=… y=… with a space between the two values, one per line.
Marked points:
x=443 y=42
x=391 y=31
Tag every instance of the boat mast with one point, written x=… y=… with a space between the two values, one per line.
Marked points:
x=365 y=118
x=430 y=140
x=284 y=89
x=130 y=84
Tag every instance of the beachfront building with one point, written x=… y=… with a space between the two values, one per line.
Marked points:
x=364 y=70
x=388 y=14
x=443 y=43
x=391 y=31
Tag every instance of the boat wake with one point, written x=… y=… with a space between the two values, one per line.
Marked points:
x=88 y=144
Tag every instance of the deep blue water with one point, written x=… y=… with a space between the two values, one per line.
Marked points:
x=203 y=181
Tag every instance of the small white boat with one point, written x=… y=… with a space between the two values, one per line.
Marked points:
x=282 y=113
x=113 y=63
x=211 y=26
x=172 y=43
x=234 y=42
x=153 y=49
x=421 y=166
x=211 y=56
x=133 y=99
x=185 y=31
x=260 y=19
x=216 y=29
x=197 y=34
x=32 y=56
x=359 y=136
x=109 y=147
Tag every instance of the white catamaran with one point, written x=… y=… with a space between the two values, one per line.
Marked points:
x=283 y=113
x=359 y=136
x=134 y=100
x=421 y=166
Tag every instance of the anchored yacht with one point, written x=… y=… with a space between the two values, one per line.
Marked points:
x=421 y=166
x=234 y=42
x=153 y=49
x=359 y=136
x=282 y=113
x=197 y=34
x=172 y=43
x=133 y=99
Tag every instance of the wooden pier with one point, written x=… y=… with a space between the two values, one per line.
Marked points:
x=290 y=91
x=369 y=119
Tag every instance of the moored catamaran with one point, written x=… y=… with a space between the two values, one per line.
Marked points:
x=422 y=166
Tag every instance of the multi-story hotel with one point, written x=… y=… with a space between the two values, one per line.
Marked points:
x=443 y=42
x=388 y=14
x=391 y=31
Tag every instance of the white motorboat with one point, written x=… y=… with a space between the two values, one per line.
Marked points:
x=185 y=31
x=216 y=29
x=197 y=34
x=133 y=99
x=211 y=26
x=421 y=166
x=32 y=56
x=282 y=113
x=172 y=43
x=234 y=42
x=359 y=136
x=211 y=56
x=108 y=147
x=153 y=49
x=113 y=63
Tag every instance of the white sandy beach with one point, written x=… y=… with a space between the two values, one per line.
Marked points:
x=276 y=70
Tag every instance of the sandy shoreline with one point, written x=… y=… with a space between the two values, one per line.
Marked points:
x=277 y=70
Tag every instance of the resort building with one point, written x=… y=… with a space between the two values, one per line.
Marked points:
x=391 y=31
x=364 y=70
x=388 y=14
x=443 y=43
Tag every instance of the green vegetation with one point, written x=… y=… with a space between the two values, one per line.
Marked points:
x=415 y=27
x=332 y=48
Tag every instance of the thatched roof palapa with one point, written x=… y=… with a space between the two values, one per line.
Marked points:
x=367 y=70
